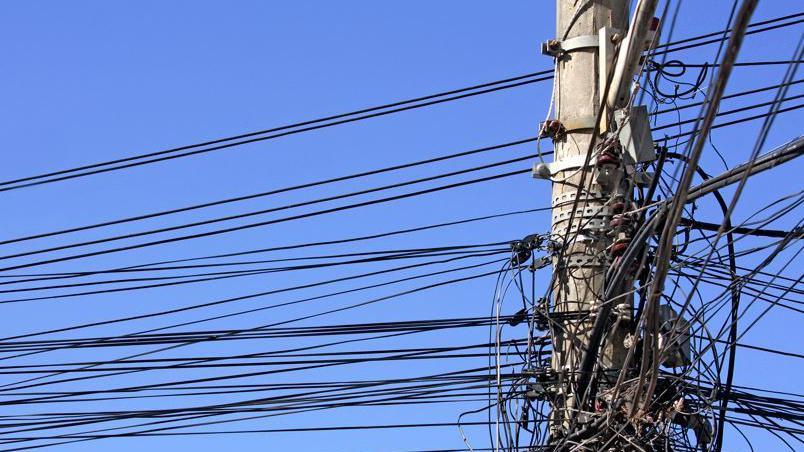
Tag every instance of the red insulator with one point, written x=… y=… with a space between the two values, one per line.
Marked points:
x=619 y=247
x=599 y=406
x=620 y=220
x=607 y=158
x=552 y=128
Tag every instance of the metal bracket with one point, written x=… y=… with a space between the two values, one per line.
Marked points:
x=556 y=48
x=547 y=170
x=576 y=161
x=579 y=42
x=579 y=123
x=555 y=129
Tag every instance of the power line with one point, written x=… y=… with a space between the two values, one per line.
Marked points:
x=273 y=192
x=238 y=140
x=262 y=223
x=319 y=123
x=236 y=228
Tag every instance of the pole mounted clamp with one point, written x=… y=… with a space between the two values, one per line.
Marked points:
x=555 y=129
x=579 y=123
x=543 y=170
x=556 y=48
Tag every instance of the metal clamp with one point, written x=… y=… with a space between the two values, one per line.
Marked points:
x=579 y=123
x=547 y=170
x=556 y=48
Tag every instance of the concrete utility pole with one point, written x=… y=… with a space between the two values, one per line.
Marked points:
x=585 y=35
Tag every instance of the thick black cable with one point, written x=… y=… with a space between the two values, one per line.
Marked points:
x=245 y=297
x=726 y=37
x=295 y=246
x=270 y=192
x=273 y=209
x=338 y=119
x=269 y=222
x=736 y=121
x=65 y=174
x=228 y=274
x=739 y=230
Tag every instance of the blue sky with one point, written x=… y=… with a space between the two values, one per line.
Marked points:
x=88 y=81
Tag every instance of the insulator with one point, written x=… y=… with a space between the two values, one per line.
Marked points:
x=552 y=128
x=607 y=158
x=620 y=220
x=619 y=247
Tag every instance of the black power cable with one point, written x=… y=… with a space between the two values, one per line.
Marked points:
x=236 y=228
x=273 y=192
x=371 y=112
x=269 y=222
x=253 y=137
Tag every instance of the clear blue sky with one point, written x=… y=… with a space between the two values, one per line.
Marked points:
x=86 y=81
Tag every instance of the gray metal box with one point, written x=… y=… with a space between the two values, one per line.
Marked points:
x=634 y=134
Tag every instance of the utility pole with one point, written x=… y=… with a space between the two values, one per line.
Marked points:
x=602 y=396
x=586 y=36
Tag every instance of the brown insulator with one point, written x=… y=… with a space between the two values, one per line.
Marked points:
x=620 y=220
x=619 y=247
x=607 y=158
